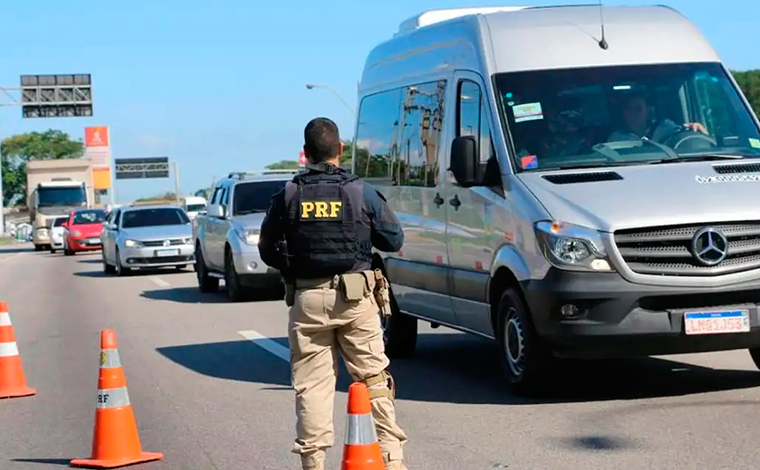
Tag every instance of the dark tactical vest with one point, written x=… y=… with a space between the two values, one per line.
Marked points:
x=327 y=233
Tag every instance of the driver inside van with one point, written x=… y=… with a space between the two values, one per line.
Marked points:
x=637 y=111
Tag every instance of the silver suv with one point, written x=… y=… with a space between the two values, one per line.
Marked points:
x=227 y=236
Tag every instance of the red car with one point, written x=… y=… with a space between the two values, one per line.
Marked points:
x=83 y=230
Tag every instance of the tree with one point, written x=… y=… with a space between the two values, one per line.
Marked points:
x=750 y=84
x=283 y=165
x=17 y=150
x=168 y=196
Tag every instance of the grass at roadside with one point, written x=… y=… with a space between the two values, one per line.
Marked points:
x=7 y=241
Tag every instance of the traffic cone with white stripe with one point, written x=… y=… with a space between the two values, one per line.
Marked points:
x=362 y=449
x=12 y=378
x=115 y=442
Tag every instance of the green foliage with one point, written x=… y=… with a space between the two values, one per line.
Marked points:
x=749 y=82
x=283 y=165
x=17 y=150
x=168 y=196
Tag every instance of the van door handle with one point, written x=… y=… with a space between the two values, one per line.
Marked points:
x=455 y=202
x=438 y=200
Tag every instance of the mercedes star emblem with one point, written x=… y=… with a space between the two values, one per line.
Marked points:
x=709 y=246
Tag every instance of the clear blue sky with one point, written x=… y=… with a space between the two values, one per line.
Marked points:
x=220 y=85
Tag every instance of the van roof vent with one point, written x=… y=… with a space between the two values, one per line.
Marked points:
x=436 y=16
x=733 y=169
x=572 y=178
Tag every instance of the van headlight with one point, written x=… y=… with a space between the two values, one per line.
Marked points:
x=572 y=247
x=249 y=236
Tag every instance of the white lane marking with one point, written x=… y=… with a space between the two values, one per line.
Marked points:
x=265 y=343
x=159 y=282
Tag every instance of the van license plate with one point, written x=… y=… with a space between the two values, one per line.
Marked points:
x=719 y=322
x=167 y=252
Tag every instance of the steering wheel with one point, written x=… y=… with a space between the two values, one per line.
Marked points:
x=690 y=140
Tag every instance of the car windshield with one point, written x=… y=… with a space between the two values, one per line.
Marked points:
x=60 y=221
x=255 y=196
x=624 y=115
x=196 y=207
x=89 y=217
x=153 y=218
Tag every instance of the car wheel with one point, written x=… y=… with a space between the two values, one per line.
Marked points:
x=755 y=353
x=107 y=268
x=206 y=283
x=68 y=252
x=118 y=268
x=37 y=247
x=523 y=357
x=52 y=251
x=235 y=291
x=399 y=332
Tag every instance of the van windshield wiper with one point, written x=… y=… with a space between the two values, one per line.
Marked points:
x=699 y=158
x=594 y=165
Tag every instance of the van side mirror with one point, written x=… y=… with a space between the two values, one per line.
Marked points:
x=464 y=161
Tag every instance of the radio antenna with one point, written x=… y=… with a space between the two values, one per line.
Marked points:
x=603 y=42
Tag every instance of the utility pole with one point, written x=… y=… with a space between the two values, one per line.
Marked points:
x=176 y=182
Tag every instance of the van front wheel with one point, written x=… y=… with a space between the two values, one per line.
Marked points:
x=523 y=358
x=755 y=353
x=399 y=332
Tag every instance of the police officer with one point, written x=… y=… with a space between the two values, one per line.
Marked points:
x=319 y=232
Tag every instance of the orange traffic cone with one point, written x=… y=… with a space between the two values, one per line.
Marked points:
x=361 y=450
x=12 y=379
x=115 y=441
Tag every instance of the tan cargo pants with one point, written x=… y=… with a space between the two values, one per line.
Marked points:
x=321 y=325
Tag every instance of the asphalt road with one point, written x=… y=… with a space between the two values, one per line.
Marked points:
x=210 y=387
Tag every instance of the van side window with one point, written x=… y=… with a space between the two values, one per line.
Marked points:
x=399 y=135
x=472 y=120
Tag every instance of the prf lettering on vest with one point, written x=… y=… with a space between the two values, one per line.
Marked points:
x=312 y=210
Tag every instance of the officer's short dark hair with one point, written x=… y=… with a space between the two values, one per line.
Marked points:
x=321 y=140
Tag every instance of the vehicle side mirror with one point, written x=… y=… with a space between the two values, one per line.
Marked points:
x=113 y=227
x=216 y=210
x=464 y=161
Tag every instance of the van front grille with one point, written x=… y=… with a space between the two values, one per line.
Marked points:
x=671 y=251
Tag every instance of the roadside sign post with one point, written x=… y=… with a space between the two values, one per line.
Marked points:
x=143 y=168
x=48 y=96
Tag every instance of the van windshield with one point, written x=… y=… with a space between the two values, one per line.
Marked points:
x=625 y=115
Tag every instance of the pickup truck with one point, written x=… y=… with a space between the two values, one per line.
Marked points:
x=227 y=236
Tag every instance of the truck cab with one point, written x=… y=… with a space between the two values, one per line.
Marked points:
x=52 y=199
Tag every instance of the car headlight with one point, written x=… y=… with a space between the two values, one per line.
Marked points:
x=76 y=233
x=187 y=241
x=572 y=247
x=132 y=244
x=250 y=236
x=42 y=232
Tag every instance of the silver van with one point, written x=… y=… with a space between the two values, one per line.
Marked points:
x=567 y=192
